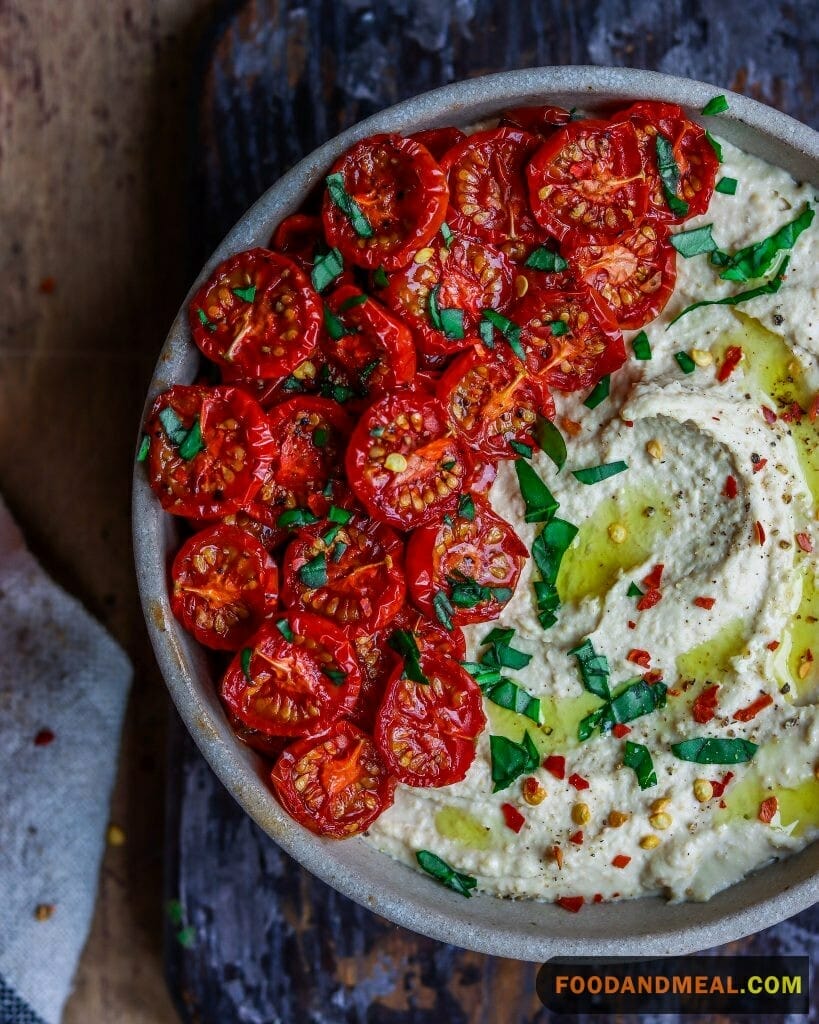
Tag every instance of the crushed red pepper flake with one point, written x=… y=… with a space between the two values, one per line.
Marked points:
x=572 y=427
x=805 y=543
x=639 y=657
x=654 y=676
x=774 y=645
x=648 y=600
x=720 y=785
x=620 y=730
x=730 y=490
x=768 y=414
x=758 y=464
x=577 y=838
x=631 y=625
x=752 y=710
x=556 y=764
x=654 y=578
x=621 y=860
x=733 y=356
x=793 y=413
x=513 y=818
x=571 y=903
x=556 y=855
x=43 y=738
x=759 y=531
x=704 y=707
x=578 y=781
x=705 y=602
x=598 y=897
x=767 y=809
x=813 y=411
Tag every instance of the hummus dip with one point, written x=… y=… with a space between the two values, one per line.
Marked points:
x=721 y=491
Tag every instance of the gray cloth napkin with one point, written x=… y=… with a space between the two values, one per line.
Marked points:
x=63 y=688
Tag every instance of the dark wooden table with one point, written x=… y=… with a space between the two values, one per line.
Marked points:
x=262 y=940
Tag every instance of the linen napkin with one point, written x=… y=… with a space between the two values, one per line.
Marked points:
x=63 y=687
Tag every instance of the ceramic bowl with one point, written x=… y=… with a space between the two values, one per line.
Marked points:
x=522 y=929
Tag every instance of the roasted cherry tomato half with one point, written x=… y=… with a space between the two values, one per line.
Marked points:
x=541 y=120
x=431 y=636
x=474 y=560
x=588 y=177
x=426 y=732
x=336 y=784
x=488 y=197
x=385 y=198
x=224 y=584
x=569 y=339
x=297 y=675
x=299 y=237
x=257 y=314
x=310 y=435
x=267 y=746
x=634 y=274
x=209 y=450
x=403 y=462
x=439 y=140
x=352 y=572
x=445 y=289
x=370 y=347
x=697 y=163
x=492 y=399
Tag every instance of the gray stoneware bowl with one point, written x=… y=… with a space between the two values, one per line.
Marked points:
x=525 y=930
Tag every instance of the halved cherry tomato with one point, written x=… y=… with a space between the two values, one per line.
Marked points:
x=310 y=435
x=403 y=462
x=258 y=314
x=209 y=450
x=300 y=676
x=298 y=237
x=375 y=352
x=223 y=585
x=400 y=193
x=488 y=197
x=352 y=572
x=475 y=562
x=540 y=120
x=581 y=352
x=432 y=637
x=426 y=732
x=633 y=274
x=694 y=155
x=467 y=276
x=336 y=784
x=491 y=399
x=588 y=177
x=267 y=746
x=439 y=140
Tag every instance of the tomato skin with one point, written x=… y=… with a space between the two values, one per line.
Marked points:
x=484 y=549
x=365 y=585
x=436 y=724
x=402 y=193
x=570 y=180
x=215 y=482
x=297 y=237
x=439 y=140
x=301 y=468
x=335 y=784
x=470 y=276
x=693 y=153
x=409 y=424
x=539 y=120
x=634 y=274
x=288 y=692
x=268 y=746
x=491 y=399
x=267 y=336
x=223 y=585
x=491 y=204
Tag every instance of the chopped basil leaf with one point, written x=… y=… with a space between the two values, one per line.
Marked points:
x=348 y=206
x=694 y=242
x=203 y=319
x=599 y=393
x=484 y=675
x=380 y=279
x=486 y=332
x=321 y=435
x=540 y=503
x=524 y=450
x=335 y=675
x=466 y=507
x=368 y=370
x=404 y=643
x=283 y=627
x=508 y=329
x=468 y=593
x=327 y=267
x=507 y=694
x=558 y=328
x=548 y=550
x=245 y=294
x=547 y=601
x=685 y=362
x=641 y=346
x=636 y=700
x=443 y=609
x=314 y=573
x=334 y=327
x=292 y=384
x=510 y=760
x=450 y=322
x=717 y=148
x=144 y=448
x=192 y=443
x=717 y=105
x=499 y=634
x=244 y=661
x=669 y=175
x=377 y=432
x=769 y=288
x=544 y=259
x=445 y=874
x=711 y=750
x=727 y=186
x=595 y=474
x=329 y=388
x=449 y=464
x=550 y=441
x=329 y=537
x=594 y=668
x=339 y=515
x=446 y=234
x=296 y=517
x=754 y=261
x=506 y=656
x=338 y=551
x=633 y=590
x=352 y=302
x=637 y=756
x=172 y=425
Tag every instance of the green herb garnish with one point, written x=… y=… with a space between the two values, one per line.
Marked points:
x=446 y=234
x=508 y=329
x=727 y=186
x=769 y=288
x=599 y=393
x=540 y=503
x=321 y=435
x=510 y=760
x=669 y=175
x=548 y=550
x=450 y=322
x=313 y=574
x=245 y=294
x=296 y=517
x=596 y=474
x=711 y=750
x=558 y=328
x=507 y=694
x=754 y=261
x=443 y=609
x=144 y=448
x=468 y=593
x=283 y=627
x=352 y=302
x=203 y=320
x=633 y=590
x=348 y=206
x=641 y=346
x=544 y=259
x=380 y=279
x=404 y=643
x=524 y=450
x=717 y=105
x=445 y=873
x=466 y=507
x=327 y=267
x=685 y=362
x=594 y=669
x=694 y=242
x=717 y=148
x=637 y=756
x=550 y=441
x=244 y=661
x=636 y=700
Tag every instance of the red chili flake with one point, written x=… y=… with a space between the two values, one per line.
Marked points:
x=43 y=738
x=47 y=285
x=705 y=602
x=648 y=600
x=758 y=464
x=722 y=804
x=654 y=578
x=639 y=657
x=621 y=860
x=767 y=809
x=556 y=764
x=571 y=903
x=629 y=423
x=746 y=714
x=704 y=707
x=598 y=897
x=721 y=786
x=578 y=781
x=813 y=411
x=730 y=489
x=768 y=414
x=774 y=645
x=759 y=530
x=793 y=414
x=804 y=542
x=621 y=730
x=631 y=625
x=577 y=838
x=557 y=856
x=733 y=355
x=571 y=426
x=674 y=692
x=654 y=676
x=513 y=818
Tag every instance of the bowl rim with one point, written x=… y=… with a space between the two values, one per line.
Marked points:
x=522 y=929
